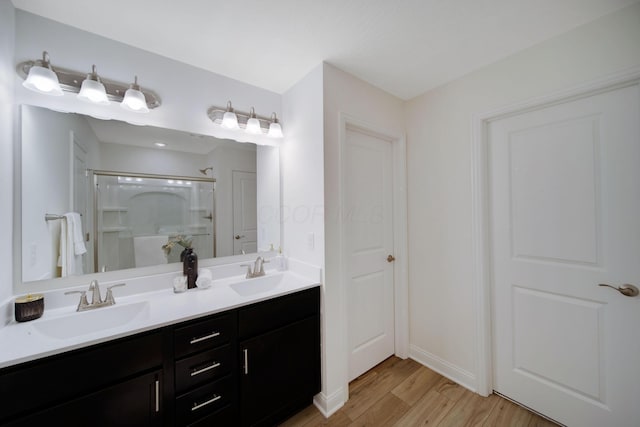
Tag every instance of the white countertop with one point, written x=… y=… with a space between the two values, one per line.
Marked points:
x=22 y=342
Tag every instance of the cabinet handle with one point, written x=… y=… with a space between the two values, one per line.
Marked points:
x=246 y=361
x=206 y=337
x=197 y=406
x=157 y=396
x=205 y=369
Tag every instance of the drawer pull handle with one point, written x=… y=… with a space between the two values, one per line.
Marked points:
x=206 y=337
x=205 y=369
x=197 y=406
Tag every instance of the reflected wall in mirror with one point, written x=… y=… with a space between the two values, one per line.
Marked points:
x=64 y=156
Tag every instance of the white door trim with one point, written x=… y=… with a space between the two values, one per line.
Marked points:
x=480 y=209
x=400 y=223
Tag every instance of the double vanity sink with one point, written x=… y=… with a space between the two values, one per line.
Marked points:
x=244 y=351
x=62 y=328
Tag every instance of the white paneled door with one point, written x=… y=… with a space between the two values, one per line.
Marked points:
x=245 y=223
x=368 y=210
x=565 y=217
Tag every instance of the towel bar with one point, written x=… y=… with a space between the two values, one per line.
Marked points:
x=53 y=217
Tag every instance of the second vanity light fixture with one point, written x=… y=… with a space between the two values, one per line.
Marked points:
x=41 y=77
x=250 y=123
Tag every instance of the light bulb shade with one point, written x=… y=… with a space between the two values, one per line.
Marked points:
x=230 y=120
x=134 y=100
x=93 y=91
x=253 y=126
x=43 y=80
x=275 y=130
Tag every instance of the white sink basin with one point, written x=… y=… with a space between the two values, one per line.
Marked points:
x=258 y=285
x=91 y=321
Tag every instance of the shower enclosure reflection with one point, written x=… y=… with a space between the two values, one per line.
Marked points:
x=136 y=215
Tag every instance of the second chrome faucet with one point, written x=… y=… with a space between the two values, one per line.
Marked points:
x=258 y=268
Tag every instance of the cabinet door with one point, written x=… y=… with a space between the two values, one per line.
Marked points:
x=280 y=372
x=136 y=402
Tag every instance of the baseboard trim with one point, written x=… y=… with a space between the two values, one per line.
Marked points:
x=328 y=405
x=447 y=369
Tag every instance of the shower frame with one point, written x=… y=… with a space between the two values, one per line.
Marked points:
x=96 y=173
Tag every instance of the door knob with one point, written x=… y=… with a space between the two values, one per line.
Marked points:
x=627 y=290
x=391 y=258
x=238 y=237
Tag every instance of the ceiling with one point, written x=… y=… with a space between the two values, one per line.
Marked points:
x=405 y=47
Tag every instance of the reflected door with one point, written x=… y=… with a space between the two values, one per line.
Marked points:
x=565 y=218
x=245 y=230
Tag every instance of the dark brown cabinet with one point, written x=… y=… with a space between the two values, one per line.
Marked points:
x=280 y=357
x=116 y=383
x=254 y=365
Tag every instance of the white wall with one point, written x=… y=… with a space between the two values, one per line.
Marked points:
x=439 y=157
x=46 y=183
x=7 y=109
x=344 y=93
x=128 y=158
x=302 y=170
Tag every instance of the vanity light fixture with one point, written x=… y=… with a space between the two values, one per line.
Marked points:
x=134 y=99
x=229 y=119
x=275 y=130
x=253 y=125
x=248 y=122
x=42 y=79
x=92 y=89
x=40 y=76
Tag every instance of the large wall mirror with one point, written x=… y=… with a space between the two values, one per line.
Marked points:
x=124 y=191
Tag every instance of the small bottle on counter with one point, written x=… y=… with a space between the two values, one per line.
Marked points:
x=280 y=261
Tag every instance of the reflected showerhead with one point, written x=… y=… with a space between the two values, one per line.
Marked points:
x=204 y=171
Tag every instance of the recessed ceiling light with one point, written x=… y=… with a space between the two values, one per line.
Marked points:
x=159 y=144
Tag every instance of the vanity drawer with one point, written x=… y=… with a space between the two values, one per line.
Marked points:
x=205 y=400
x=203 y=335
x=203 y=367
x=275 y=313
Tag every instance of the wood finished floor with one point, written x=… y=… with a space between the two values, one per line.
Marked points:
x=404 y=393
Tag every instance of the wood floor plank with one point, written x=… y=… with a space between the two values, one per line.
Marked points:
x=416 y=385
x=303 y=417
x=471 y=409
x=404 y=393
x=378 y=386
x=538 y=421
x=508 y=414
x=450 y=389
x=429 y=410
x=385 y=412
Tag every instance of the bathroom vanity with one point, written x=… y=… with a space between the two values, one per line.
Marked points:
x=254 y=364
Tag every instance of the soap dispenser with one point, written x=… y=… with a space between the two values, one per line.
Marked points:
x=190 y=267
x=280 y=261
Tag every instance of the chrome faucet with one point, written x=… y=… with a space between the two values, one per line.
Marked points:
x=96 y=298
x=258 y=268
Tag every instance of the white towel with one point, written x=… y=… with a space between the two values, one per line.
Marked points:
x=71 y=245
x=204 y=279
x=147 y=250
x=74 y=226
